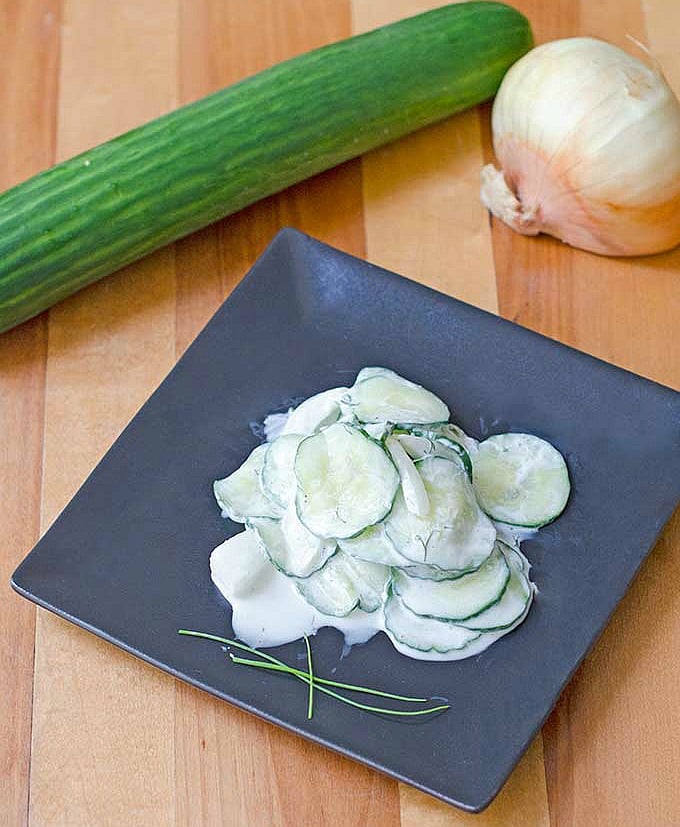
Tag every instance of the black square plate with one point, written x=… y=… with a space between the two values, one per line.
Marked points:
x=128 y=557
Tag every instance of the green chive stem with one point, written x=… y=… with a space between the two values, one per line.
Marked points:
x=350 y=686
x=309 y=678
x=303 y=676
x=310 y=705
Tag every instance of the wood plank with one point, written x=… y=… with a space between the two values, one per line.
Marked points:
x=102 y=752
x=423 y=218
x=29 y=52
x=620 y=310
x=662 y=22
x=612 y=743
x=521 y=803
x=22 y=371
x=231 y=768
x=421 y=212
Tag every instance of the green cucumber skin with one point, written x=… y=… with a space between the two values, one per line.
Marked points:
x=103 y=209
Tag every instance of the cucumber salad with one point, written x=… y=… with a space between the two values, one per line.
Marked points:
x=368 y=510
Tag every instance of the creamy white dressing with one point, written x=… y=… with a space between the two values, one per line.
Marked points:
x=273 y=612
x=513 y=535
x=267 y=608
x=274 y=424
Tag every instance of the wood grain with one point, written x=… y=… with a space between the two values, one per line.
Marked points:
x=102 y=722
x=26 y=146
x=115 y=742
x=612 y=744
x=662 y=23
x=421 y=210
x=521 y=803
x=620 y=310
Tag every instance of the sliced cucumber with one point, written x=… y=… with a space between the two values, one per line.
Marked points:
x=366 y=502
x=345 y=584
x=423 y=633
x=376 y=430
x=514 y=602
x=455 y=448
x=457 y=599
x=455 y=535
x=526 y=565
x=521 y=479
x=293 y=549
x=472 y=649
x=278 y=477
x=455 y=433
x=374 y=546
x=315 y=413
x=346 y=481
x=380 y=395
x=240 y=495
x=412 y=486
x=511 y=547
x=413 y=635
x=370 y=372
x=425 y=572
x=444 y=442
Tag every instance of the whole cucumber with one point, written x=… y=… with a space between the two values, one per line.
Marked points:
x=101 y=210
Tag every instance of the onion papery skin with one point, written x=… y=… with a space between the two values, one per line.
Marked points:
x=588 y=139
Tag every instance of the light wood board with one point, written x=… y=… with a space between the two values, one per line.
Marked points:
x=90 y=736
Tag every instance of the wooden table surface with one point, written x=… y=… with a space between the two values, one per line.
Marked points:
x=89 y=735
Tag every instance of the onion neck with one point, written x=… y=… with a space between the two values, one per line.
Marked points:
x=502 y=202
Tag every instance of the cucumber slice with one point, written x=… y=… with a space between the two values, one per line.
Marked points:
x=455 y=535
x=456 y=448
x=412 y=487
x=472 y=649
x=237 y=566
x=345 y=584
x=456 y=434
x=526 y=565
x=240 y=495
x=413 y=635
x=521 y=479
x=514 y=602
x=293 y=549
x=457 y=599
x=315 y=413
x=423 y=633
x=424 y=572
x=346 y=481
x=376 y=430
x=278 y=477
x=445 y=442
x=370 y=372
x=380 y=395
x=511 y=549
x=374 y=546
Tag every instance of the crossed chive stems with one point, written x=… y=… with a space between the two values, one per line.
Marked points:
x=314 y=682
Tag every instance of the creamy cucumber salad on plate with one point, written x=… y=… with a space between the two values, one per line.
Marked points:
x=368 y=510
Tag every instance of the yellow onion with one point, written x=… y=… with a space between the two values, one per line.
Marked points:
x=588 y=139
